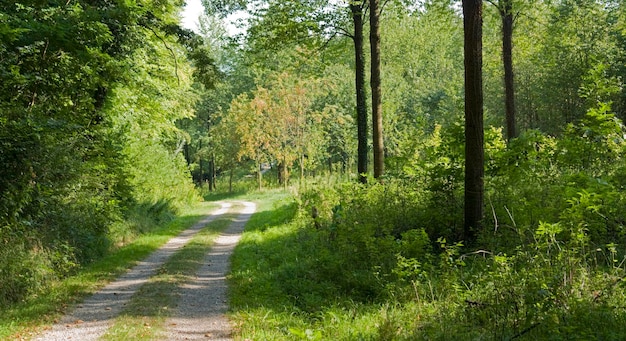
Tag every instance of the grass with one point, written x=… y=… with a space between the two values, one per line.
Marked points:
x=35 y=313
x=145 y=316
x=276 y=293
x=287 y=284
x=261 y=310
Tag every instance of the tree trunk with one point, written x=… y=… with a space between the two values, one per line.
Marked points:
x=211 y=174
x=186 y=152
x=230 y=180
x=377 y=108
x=361 y=104
x=214 y=168
x=506 y=12
x=474 y=150
x=201 y=177
x=330 y=165
x=285 y=173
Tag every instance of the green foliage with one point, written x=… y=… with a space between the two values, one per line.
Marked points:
x=364 y=261
x=304 y=277
x=89 y=96
x=53 y=294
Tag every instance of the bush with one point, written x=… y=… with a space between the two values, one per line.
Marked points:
x=366 y=228
x=24 y=270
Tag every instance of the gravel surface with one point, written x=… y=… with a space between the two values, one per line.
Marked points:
x=200 y=312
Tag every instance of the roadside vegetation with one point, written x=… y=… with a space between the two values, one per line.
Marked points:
x=384 y=262
x=496 y=213
x=24 y=319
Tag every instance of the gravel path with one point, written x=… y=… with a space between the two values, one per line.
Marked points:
x=200 y=314
x=203 y=302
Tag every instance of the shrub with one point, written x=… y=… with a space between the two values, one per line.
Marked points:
x=365 y=228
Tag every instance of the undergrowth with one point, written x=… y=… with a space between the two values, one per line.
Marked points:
x=384 y=261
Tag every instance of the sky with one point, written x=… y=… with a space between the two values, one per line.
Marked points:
x=190 y=14
x=194 y=8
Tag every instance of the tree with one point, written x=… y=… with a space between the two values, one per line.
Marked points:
x=356 y=9
x=278 y=124
x=377 y=117
x=417 y=97
x=315 y=23
x=474 y=135
x=89 y=95
x=505 y=7
x=564 y=43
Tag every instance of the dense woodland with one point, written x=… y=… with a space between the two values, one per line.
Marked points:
x=464 y=157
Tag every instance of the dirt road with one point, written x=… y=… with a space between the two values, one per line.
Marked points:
x=200 y=313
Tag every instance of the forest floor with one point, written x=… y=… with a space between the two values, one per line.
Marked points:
x=200 y=300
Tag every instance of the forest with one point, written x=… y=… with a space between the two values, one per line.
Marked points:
x=446 y=169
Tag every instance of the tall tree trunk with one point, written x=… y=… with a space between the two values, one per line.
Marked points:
x=361 y=104
x=230 y=180
x=474 y=150
x=212 y=173
x=201 y=178
x=377 y=108
x=285 y=173
x=506 y=13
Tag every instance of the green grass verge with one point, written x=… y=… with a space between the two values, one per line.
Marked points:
x=289 y=282
x=261 y=309
x=34 y=314
x=278 y=291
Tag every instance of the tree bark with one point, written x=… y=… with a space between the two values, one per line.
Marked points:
x=201 y=178
x=474 y=135
x=361 y=104
x=506 y=13
x=230 y=180
x=212 y=173
x=285 y=173
x=301 y=169
x=377 y=116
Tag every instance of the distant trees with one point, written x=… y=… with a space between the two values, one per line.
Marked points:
x=314 y=24
x=422 y=79
x=278 y=124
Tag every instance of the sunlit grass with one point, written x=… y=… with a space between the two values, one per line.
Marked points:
x=290 y=281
